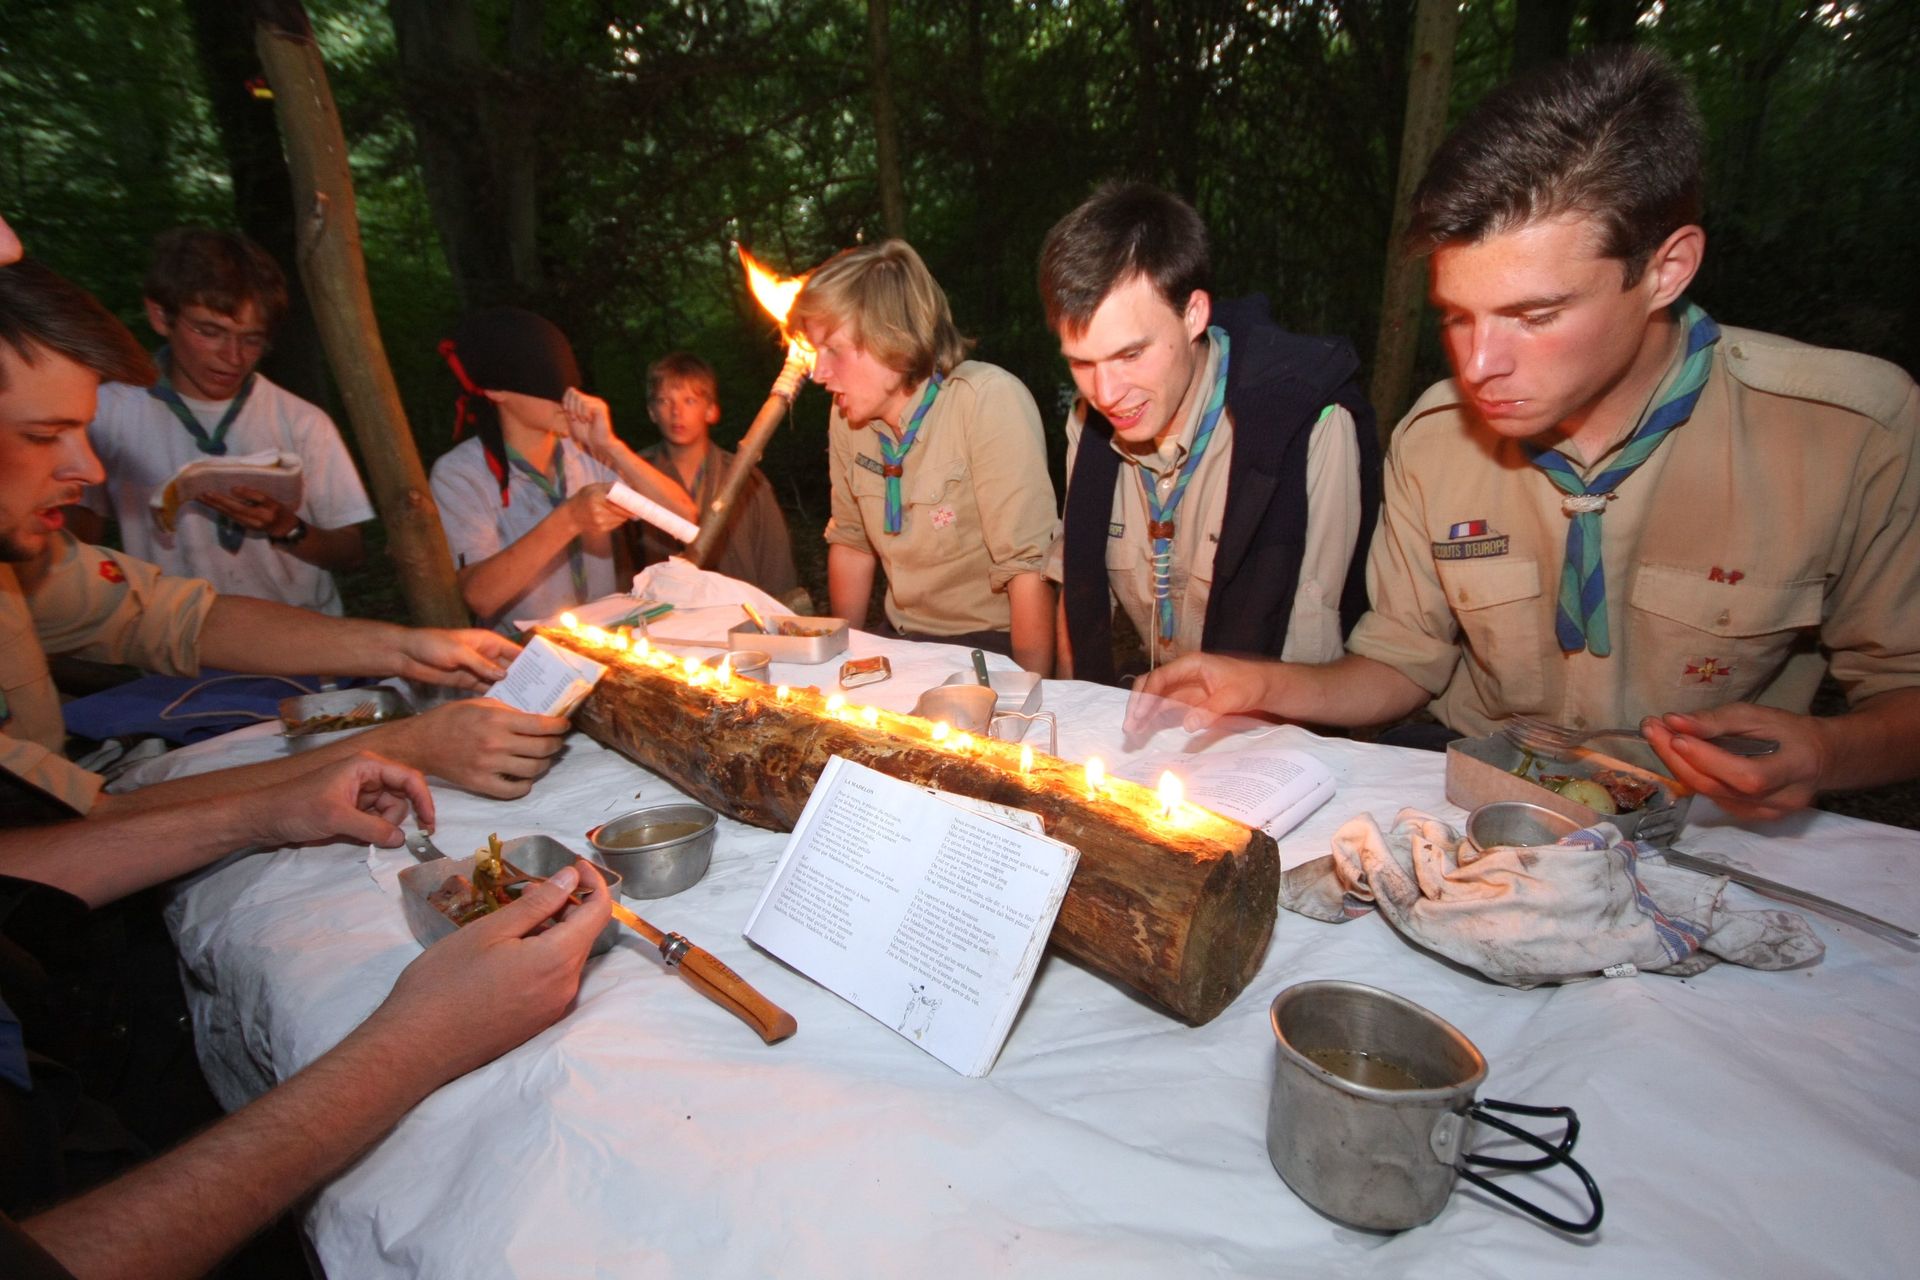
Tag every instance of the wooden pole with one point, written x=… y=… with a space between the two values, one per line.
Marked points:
x=1429 y=81
x=328 y=243
x=716 y=519
x=1180 y=912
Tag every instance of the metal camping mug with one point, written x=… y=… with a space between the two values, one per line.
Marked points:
x=1373 y=1105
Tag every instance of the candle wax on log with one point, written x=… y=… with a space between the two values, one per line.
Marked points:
x=1180 y=910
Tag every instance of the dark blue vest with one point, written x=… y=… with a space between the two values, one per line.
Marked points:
x=1277 y=385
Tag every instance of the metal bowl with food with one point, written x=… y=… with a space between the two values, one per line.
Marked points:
x=536 y=855
x=660 y=850
x=315 y=719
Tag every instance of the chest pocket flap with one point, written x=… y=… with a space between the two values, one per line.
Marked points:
x=1732 y=610
x=1481 y=584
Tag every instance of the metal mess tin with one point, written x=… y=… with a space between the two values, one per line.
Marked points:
x=374 y=705
x=660 y=850
x=793 y=639
x=536 y=855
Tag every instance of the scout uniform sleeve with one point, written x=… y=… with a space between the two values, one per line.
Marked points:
x=1873 y=617
x=1410 y=627
x=46 y=773
x=1333 y=532
x=845 y=527
x=1008 y=457
x=108 y=606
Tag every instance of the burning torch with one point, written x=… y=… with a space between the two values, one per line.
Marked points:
x=775 y=294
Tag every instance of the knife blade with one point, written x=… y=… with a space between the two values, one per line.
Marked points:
x=1787 y=893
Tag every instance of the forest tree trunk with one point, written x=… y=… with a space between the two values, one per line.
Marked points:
x=330 y=261
x=262 y=187
x=886 y=123
x=1429 y=80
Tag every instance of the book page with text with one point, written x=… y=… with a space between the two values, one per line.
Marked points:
x=923 y=914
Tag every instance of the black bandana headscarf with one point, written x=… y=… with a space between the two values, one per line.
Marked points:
x=505 y=349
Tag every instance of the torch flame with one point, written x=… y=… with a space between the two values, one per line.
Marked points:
x=775 y=294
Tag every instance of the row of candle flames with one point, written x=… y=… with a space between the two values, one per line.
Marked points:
x=1168 y=806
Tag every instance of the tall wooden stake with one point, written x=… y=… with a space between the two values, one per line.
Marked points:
x=1429 y=81
x=328 y=243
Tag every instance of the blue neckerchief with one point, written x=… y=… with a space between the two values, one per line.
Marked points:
x=1160 y=511
x=232 y=533
x=1580 y=621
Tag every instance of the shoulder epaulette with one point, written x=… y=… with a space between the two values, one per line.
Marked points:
x=1862 y=384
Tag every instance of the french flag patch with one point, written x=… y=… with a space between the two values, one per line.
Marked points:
x=1468 y=529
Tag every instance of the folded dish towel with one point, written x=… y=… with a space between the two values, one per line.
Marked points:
x=1584 y=907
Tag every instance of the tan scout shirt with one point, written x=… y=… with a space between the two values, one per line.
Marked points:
x=977 y=504
x=1333 y=529
x=1777 y=523
x=98 y=604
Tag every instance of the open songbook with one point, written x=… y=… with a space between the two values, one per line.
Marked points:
x=275 y=474
x=547 y=679
x=927 y=911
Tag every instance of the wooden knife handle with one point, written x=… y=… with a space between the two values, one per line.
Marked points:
x=714 y=980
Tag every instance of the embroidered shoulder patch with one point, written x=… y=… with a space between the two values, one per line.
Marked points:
x=871 y=463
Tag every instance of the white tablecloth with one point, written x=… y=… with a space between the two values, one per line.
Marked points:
x=1738 y=1123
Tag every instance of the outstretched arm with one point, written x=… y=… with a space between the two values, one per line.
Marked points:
x=246 y=634
x=181 y=1213
x=1869 y=746
x=479 y=744
x=1350 y=691
x=121 y=851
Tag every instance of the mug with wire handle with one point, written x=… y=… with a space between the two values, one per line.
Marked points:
x=1373 y=1105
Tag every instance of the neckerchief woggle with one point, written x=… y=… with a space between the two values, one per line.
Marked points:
x=1160 y=510
x=896 y=454
x=555 y=492
x=1580 y=621
x=231 y=532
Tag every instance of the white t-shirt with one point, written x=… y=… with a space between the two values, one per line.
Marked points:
x=142 y=444
x=478 y=526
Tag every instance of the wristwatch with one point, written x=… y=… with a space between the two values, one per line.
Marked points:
x=292 y=537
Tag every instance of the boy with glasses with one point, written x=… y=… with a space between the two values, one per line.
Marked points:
x=216 y=297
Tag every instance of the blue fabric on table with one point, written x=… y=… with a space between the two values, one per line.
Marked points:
x=133 y=709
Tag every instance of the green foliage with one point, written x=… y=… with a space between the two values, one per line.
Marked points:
x=667 y=129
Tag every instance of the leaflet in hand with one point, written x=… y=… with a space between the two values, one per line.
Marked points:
x=641 y=508
x=1275 y=790
x=926 y=911
x=547 y=679
x=275 y=474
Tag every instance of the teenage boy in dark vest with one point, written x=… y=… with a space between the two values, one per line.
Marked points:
x=1222 y=473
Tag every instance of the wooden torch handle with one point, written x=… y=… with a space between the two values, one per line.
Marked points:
x=712 y=978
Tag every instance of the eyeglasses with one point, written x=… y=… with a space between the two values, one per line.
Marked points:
x=252 y=342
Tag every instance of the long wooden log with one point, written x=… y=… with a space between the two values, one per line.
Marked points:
x=1179 y=911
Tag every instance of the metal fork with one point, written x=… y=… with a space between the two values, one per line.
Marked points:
x=1550 y=739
